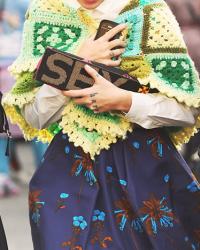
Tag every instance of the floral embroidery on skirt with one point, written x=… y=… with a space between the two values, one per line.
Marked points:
x=138 y=195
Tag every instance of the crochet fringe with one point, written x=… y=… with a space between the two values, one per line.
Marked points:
x=185 y=134
x=91 y=131
x=103 y=123
x=19 y=99
x=28 y=132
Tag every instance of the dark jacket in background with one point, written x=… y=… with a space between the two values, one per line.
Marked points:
x=3 y=243
x=188 y=16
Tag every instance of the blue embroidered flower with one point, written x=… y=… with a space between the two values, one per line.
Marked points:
x=36 y=217
x=166 y=178
x=109 y=169
x=78 y=221
x=84 y=164
x=98 y=216
x=64 y=196
x=136 y=145
x=35 y=205
x=123 y=182
x=157 y=145
x=67 y=149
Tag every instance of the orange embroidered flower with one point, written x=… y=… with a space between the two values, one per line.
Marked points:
x=144 y=89
x=34 y=201
x=156 y=213
x=84 y=164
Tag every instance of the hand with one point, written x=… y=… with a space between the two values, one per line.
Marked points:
x=102 y=50
x=103 y=96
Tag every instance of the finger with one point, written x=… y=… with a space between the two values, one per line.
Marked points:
x=113 y=63
x=77 y=93
x=116 y=53
x=117 y=43
x=92 y=72
x=111 y=33
x=84 y=100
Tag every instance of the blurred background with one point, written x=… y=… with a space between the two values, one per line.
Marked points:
x=16 y=171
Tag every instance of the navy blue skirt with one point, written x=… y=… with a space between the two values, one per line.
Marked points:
x=138 y=195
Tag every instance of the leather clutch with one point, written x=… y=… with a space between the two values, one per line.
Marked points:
x=66 y=71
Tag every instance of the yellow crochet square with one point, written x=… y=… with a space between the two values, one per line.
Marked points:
x=49 y=6
x=161 y=32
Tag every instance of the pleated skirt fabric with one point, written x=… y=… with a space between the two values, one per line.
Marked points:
x=138 y=195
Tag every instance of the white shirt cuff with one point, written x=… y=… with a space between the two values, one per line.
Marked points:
x=156 y=110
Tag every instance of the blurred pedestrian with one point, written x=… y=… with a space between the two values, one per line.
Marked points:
x=7 y=186
x=11 y=21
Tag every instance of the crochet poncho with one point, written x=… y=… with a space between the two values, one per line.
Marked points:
x=156 y=55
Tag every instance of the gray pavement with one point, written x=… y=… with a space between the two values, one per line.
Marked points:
x=14 y=212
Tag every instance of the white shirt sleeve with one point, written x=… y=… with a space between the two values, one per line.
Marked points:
x=147 y=110
x=46 y=108
x=156 y=110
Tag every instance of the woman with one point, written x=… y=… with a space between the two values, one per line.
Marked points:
x=105 y=183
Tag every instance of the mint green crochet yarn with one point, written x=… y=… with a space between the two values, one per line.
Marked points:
x=133 y=18
x=59 y=37
x=90 y=135
x=102 y=116
x=147 y=2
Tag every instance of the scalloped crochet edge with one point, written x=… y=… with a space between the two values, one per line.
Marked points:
x=93 y=121
x=28 y=132
x=19 y=99
x=22 y=65
x=183 y=136
x=93 y=149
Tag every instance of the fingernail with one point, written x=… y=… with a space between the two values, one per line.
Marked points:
x=87 y=66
